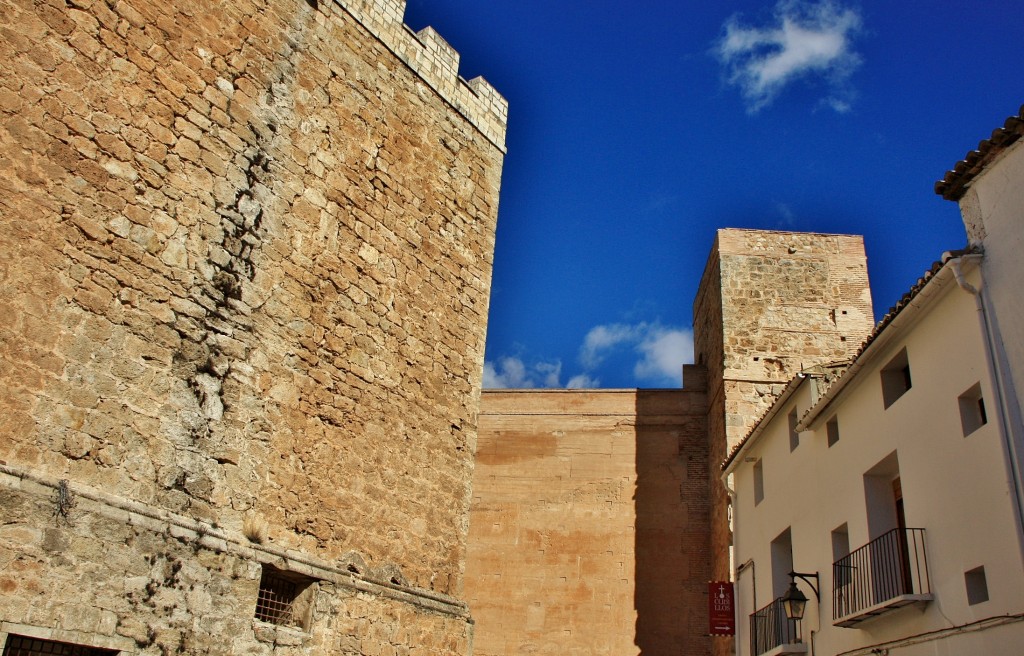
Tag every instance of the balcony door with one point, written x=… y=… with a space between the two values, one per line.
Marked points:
x=782 y=563
x=889 y=557
x=906 y=584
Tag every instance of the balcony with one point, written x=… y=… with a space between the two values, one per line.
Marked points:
x=889 y=572
x=772 y=633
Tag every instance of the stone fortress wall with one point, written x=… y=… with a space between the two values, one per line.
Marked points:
x=588 y=530
x=598 y=516
x=245 y=257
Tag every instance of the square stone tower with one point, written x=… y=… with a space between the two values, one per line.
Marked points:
x=769 y=305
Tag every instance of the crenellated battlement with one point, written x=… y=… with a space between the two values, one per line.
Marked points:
x=435 y=61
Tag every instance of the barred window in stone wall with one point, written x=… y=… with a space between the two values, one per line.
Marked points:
x=22 y=646
x=285 y=598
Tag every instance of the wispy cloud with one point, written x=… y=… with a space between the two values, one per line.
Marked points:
x=583 y=381
x=513 y=373
x=657 y=353
x=806 y=38
x=664 y=352
x=601 y=340
x=661 y=351
x=787 y=218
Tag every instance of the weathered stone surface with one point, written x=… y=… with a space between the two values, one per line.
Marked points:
x=160 y=588
x=589 y=523
x=245 y=251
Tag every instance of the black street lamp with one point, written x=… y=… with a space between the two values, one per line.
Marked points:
x=794 y=602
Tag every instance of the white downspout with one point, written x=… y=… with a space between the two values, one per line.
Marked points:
x=1013 y=472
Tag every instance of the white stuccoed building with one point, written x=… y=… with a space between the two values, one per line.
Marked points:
x=892 y=482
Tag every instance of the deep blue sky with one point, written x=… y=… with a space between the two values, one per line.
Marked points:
x=632 y=138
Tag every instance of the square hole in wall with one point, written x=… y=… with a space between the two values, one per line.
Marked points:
x=285 y=598
x=972 y=410
x=895 y=378
x=832 y=430
x=977 y=586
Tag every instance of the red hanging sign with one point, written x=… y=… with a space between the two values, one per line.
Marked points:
x=722 y=610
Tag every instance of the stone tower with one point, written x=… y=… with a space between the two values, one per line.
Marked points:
x=245 y=257
x=769 y=305
x=598 y=516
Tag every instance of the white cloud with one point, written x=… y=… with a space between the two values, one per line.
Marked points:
x=657 y=352
x=788 y=217
x=664 y=352
x=549 y=372
x=601 y=339
x=513 y=373
x=661 y=351
x=582 y=381
x=807 y=38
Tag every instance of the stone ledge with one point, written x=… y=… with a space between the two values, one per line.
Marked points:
x=283 y=636
x=217 y=539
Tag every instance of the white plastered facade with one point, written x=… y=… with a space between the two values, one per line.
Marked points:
x=957 y=488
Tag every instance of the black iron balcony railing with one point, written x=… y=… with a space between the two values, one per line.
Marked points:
x=769 y=628
x=888 y=572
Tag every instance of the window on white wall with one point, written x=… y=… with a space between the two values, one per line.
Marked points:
x=972 y=410
x=977 y=586
x=758 y=482
x=794 y=434
x=832 y=430
x=895 y=378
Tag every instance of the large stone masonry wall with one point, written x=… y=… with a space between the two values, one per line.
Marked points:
x=118 y=575
x=589 y=523
x=245 y=254
x=770 y=304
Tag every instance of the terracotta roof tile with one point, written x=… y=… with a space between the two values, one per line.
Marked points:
x=954 y=185
x=914 y=291
x=904 y=301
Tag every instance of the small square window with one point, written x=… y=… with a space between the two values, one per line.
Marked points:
x=758 y=483
x=895 y=378
x=23 y=646
x=285 y=598
x=977 y=586
x=794 y=434
x=972 y=410
x=832 y=430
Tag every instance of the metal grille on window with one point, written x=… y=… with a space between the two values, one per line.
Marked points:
x=21 y=646
x=276 y=597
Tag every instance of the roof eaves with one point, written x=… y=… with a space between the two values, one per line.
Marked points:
x=954 y=184
x=878 y=333
x=752 y=435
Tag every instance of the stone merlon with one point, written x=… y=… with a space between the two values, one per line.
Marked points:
x=436 y=62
